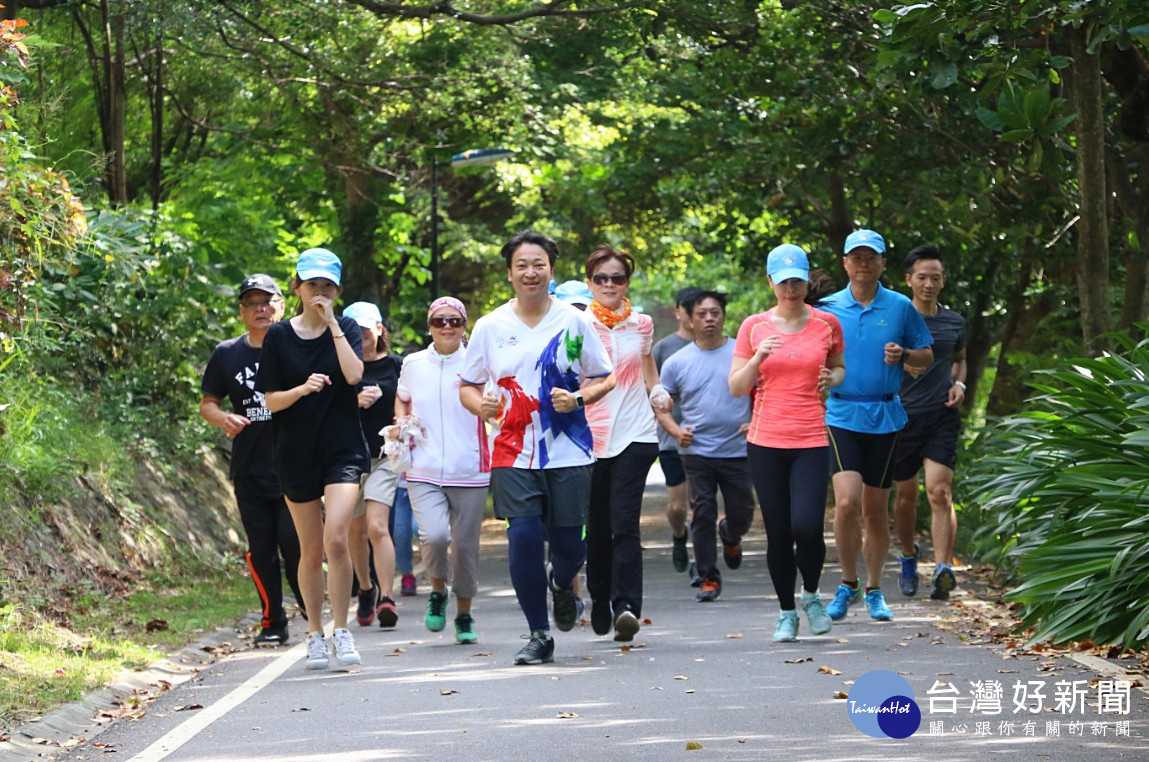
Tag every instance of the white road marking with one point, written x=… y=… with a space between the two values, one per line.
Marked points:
x=195 y=724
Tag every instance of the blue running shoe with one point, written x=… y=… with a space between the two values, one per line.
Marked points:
x=876 y=603
x=908 y=580
x=842 y=600
x=787 y=629
x=944 y=582
x=816 y=613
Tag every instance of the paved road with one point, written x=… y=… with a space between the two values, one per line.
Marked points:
x=697 y=674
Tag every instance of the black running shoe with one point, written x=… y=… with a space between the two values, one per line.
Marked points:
x=565 y=606
x=540 y=649
x=600 y=617
x=625 y=626
x=276 y=635
x=731 y=551
x=368 y=602
x=679 y=555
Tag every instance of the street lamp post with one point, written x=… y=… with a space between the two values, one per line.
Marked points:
x=473 y=158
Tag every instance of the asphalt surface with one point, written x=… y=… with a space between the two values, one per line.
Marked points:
x=700 y=681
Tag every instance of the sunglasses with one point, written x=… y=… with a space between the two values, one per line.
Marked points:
x=617 y=279
x=443 y=322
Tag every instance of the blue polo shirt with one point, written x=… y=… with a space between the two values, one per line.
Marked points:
x=867 y=401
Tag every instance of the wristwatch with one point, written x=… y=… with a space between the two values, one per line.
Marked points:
x=579 y=401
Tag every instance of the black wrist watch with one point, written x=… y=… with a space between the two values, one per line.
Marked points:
x=579 y=401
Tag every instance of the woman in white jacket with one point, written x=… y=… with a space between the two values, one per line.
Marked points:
x=450 y=472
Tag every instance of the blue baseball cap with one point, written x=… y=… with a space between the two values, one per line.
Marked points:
x=319 y=263
x=787 y=261
x=574 y=292
x=865 y=239
x=365 y=314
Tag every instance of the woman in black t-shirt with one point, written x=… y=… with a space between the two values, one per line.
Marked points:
x=376 y=410
x=308 y=372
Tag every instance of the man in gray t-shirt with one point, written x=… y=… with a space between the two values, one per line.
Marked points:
x=711 y=440
x=668 y=458
x=931 y=398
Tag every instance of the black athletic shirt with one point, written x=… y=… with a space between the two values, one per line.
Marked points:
x=230 y=374
x=930 y=390
x=383 y=373
x=320 y=430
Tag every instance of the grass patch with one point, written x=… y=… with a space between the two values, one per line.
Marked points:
x=43 y=664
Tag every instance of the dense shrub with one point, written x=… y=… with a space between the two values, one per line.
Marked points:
x=1059 y=492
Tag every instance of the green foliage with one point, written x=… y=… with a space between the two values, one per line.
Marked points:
x=40 y=218
x=1062 y=497
x=47 y=663
x=130 y=319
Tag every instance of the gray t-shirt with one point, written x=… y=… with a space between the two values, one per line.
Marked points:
x=930 y=390
x=662 y=350
x=700 y=380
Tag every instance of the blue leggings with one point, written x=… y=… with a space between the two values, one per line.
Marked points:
x=791 y=487
x=525 y=539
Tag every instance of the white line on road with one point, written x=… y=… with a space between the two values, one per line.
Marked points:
x=188 y=730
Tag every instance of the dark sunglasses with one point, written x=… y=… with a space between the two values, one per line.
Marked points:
x=443 y=322
x=617 y=279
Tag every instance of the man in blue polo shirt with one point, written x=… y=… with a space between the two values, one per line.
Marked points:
x=883 y=333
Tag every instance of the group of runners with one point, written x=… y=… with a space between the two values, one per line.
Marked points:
x=559 y=405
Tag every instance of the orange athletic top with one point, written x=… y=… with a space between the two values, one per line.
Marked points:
x=789 y=413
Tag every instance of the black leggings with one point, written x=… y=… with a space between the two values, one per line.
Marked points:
x=791 y=487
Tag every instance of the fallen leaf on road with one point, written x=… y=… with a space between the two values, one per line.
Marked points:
x=588 y=658
x=681 y=677
x=693 y=745
x=447 y=692
x=903 y=644
x=301 y=709
x=188 y=707
x=1007 y=671
x=843 y=640
x=803 y=660
x=399 y=651
x=734 y=635
x=828 y=670
x=646 y=622
x=483 y=653
x=566 y=715
x=841 y=694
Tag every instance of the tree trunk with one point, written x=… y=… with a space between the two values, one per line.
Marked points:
x=1093 y=228
x=979 y=338
x=1132 y=207
x=106 y=63
x=362 y=275
x=157 y=104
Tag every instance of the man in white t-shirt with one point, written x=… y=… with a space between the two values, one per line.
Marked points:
x=523 y=371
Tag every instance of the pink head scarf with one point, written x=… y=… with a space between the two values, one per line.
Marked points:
x=446 y=301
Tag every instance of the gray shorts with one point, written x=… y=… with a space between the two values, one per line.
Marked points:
x=559 y=495
x=380 y=486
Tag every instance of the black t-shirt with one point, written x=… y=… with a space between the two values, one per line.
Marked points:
x=320 y=430
x=930 y=390
x=383 y=373
x=230 y=374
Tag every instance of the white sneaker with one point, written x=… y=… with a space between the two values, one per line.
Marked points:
x=316 y=651
x=345 y=652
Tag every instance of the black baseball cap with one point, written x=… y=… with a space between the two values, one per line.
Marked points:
x=259 y=282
